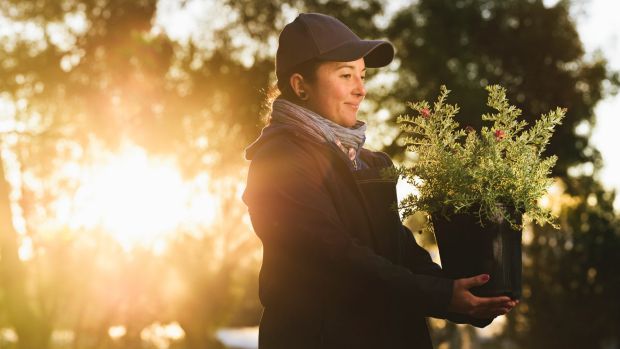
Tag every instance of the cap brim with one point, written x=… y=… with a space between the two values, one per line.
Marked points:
x=376 y=53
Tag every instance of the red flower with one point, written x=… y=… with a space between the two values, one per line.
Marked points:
x=425 y=113
x=499 y=135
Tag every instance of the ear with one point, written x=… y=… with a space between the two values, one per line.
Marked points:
x=297 y=84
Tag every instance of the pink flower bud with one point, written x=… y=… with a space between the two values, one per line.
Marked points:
x=425 y=113
x=499 y=135
x=469 y=129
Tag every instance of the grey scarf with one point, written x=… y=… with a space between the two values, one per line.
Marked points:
x=349 y=140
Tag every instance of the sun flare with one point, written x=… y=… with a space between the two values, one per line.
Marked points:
x=140 y=200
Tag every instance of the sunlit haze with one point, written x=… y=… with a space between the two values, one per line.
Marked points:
x=122 y=154
x=136 y=198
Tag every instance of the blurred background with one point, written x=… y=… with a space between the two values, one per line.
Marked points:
x=122 y=129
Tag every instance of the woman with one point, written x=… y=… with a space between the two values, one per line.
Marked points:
x=339 y=268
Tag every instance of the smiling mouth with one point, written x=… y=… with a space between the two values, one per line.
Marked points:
x=354 y=106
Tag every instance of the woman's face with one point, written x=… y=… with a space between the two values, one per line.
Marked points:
x=337 y=92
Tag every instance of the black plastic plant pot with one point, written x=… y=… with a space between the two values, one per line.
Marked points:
x=468 y=249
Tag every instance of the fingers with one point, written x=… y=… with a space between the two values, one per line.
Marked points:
x=485 y=313
x=474 y=281
x=494 y=301
x=463 y=301
x=492 y=310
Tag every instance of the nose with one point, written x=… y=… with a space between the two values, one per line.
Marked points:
x=359 y=90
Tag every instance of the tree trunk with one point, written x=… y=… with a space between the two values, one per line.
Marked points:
x=33 y=331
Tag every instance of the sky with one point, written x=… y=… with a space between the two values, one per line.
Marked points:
x=599 y=28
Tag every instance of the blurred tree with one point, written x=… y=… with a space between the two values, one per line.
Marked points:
x=210 y=270
x=101 y=69
x=535 y=52
x=85 y=278
x=570 y=276
x=111 y=78
x=31 y=323
x=56 y=101
x=532 y=50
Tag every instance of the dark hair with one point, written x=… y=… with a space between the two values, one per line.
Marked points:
x=306 y=69
x=282 y=88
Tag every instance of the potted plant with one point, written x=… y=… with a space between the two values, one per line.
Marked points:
x=479 y=188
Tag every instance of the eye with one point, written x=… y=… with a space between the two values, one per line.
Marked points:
x=364 y=77
x=346 y=76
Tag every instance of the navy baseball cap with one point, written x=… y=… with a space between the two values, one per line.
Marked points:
x=315 y=35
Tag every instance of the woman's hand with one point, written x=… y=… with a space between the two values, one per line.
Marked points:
x=465 y=302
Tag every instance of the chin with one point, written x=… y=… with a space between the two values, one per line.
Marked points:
x=343 y=119
x=348 y=121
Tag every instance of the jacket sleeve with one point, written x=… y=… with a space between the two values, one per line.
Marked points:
x=418 y=260
x=290 y=208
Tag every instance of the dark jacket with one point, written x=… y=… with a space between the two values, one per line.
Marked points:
x=339 y=269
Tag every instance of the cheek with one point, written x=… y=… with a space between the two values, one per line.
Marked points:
x=331 y=98
x=330 y=102
x=338 y=96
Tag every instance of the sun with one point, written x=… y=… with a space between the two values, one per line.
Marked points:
x=139 y=199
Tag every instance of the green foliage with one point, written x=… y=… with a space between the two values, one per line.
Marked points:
x=463 y=44
x=573 y=268
x=485 y=173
